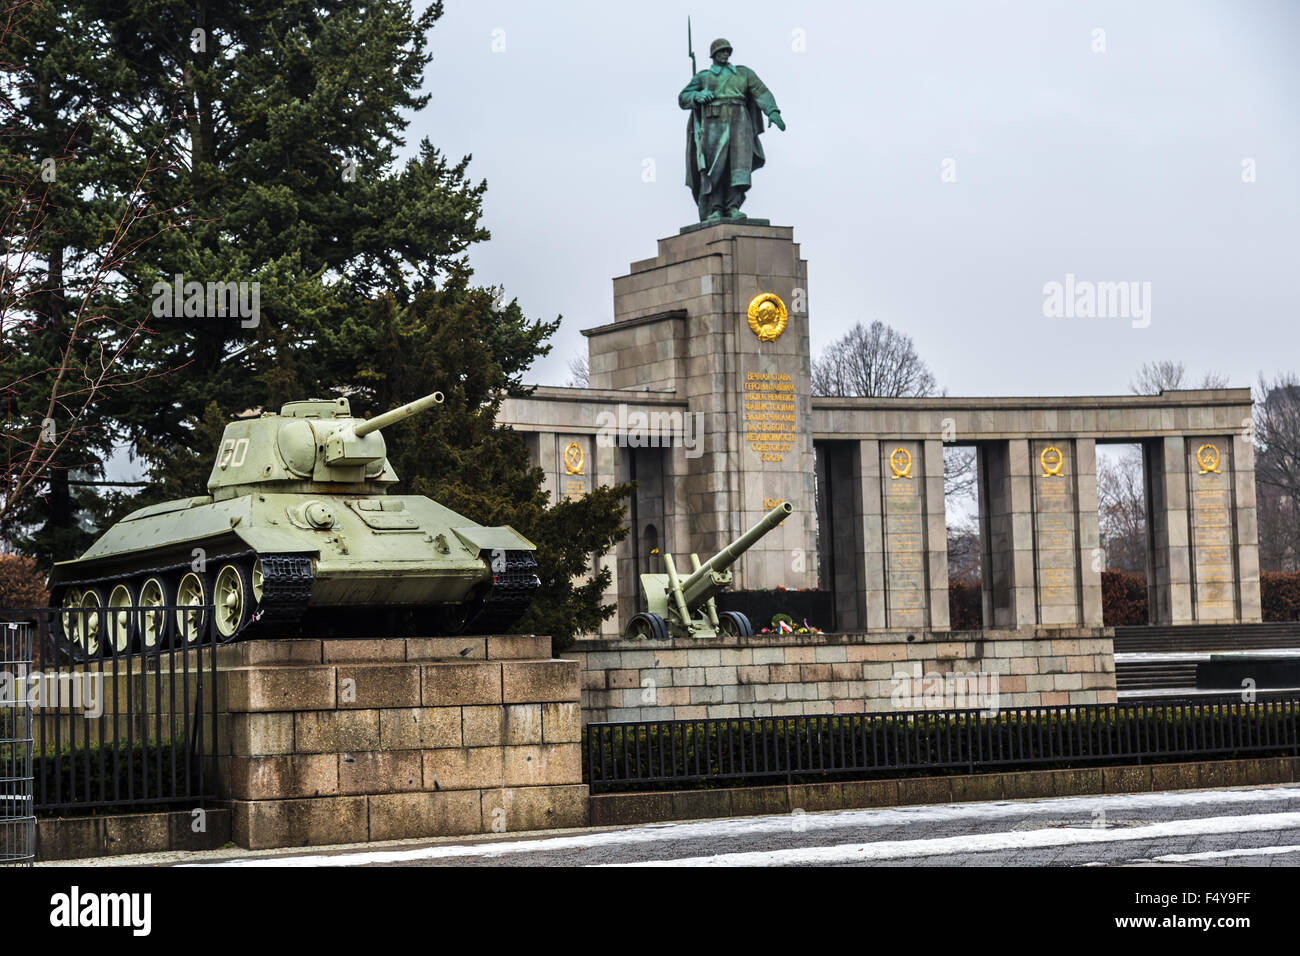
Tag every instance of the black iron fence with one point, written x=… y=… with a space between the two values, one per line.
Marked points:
x=123 y=709
x=665 y=754
x=17 y=813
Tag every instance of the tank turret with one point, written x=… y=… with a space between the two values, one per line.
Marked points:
x=296 y=535
x=308 y=444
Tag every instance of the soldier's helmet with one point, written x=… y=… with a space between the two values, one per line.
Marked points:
x=717 y=45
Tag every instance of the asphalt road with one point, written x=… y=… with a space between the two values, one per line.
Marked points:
x=1240 y=827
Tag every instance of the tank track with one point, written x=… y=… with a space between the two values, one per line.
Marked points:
x=512 y=592
x=286 y=588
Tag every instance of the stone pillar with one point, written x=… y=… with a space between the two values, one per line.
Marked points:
x=936 y=533
x=911 y=483
x=1169 y=587
x=1222 y=534
x=1006 y=533
x=1090 y=563
x=1067 y=579
x=681 y=321
x=1243 y=463
x=349 y=741
x=869 y=519
x=604 y=473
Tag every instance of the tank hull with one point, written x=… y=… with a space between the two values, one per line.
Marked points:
x=364 y=554
x=298 y=531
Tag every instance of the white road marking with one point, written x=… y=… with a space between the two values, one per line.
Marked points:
x=984 y=842
x=742 y=827
x=1222 y=854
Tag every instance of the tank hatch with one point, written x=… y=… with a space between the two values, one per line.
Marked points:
x=317 y=408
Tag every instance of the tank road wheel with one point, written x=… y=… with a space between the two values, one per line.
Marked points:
x=191 y=616
x=233 y=596
x=119 y=622
x=92 y=621
x=257 y=583
x=155 y=595
x=734 y=624
x=649 y=626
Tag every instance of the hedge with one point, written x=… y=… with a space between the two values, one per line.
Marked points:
x=1279 y=595
x=701 y=754
x=1123 y=598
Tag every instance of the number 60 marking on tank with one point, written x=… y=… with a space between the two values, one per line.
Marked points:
x=233 y=452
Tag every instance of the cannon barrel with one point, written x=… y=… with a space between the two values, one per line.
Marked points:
x=397 y=414
x=699 y=586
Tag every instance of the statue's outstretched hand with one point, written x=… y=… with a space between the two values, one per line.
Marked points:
x=774 y=119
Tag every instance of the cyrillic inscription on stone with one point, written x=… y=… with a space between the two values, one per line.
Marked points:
x=769 y=401
x=904 y=527
x=1211 y=515
x=1055 y=541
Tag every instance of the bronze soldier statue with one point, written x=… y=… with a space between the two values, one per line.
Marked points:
x=727 y=104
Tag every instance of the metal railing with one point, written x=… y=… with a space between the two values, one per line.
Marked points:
x=17 y=813
x=123 y=713
x=662 y=754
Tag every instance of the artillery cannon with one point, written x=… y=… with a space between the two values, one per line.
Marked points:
x=297 y=530
x=686 y=607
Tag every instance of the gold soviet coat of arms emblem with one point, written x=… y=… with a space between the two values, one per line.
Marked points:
x=767 y=316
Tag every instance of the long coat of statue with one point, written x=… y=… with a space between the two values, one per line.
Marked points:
x=722 y=145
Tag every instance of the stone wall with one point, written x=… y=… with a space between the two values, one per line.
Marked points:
x=348 y=741
x=769 y=675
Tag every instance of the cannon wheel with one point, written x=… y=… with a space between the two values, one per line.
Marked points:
x=649 y=626
x=734 y=624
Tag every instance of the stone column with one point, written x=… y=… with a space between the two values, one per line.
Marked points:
x=1058 y=542
x=869 y=519
x=1090 y=563
x=1169 y=587
x=1215 y=533
x=936 y=532
x=604 y=473
x=1243 y=461
x=907 y=479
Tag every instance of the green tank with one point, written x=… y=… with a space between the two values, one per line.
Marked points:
x=296 y=535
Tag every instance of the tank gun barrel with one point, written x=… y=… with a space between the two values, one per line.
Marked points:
x=397 y=414
x=701 y=585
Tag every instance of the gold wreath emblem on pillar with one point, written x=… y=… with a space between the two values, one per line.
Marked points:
x=767 y=316
x=573 y=458
x=900 y=463
x=1052 y=461
x=1207 y=456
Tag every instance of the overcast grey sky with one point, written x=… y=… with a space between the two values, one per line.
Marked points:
x=1125 y=164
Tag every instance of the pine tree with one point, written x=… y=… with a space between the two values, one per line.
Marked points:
x=291 y=114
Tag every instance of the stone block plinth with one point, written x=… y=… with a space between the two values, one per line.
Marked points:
x=350 y=741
